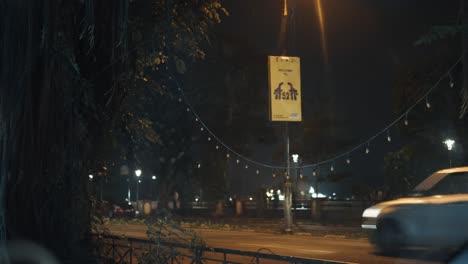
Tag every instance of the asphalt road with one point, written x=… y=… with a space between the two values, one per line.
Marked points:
x=305 y=246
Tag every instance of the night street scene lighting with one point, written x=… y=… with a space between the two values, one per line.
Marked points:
x=265 y=130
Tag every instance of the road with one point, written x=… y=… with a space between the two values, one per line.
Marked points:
x=325 y=248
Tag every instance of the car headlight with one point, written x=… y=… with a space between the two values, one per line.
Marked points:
x=372 y=212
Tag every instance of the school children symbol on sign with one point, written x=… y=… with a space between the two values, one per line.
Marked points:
x=290 y=94
x=285 y=88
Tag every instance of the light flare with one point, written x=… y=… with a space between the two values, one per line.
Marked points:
x=323 y=35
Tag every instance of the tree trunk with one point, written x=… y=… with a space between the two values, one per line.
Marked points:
x=42 y=148
x=46 y=110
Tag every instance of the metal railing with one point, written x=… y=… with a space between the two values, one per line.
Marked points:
x=124 y=250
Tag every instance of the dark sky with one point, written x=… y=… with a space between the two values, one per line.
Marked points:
x=367 y=42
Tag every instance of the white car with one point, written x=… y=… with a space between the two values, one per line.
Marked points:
x=435 y=215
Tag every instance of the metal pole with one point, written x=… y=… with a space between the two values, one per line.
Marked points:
x=128 y=191
x=287 y=187
x=138 y=191
x=450 y=158
x=152 y=189
x=287 y=184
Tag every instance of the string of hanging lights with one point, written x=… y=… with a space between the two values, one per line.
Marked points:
x=346 y=155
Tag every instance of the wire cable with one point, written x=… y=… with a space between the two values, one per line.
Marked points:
x=335 y=157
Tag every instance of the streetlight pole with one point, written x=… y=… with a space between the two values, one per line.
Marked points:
x=138 y=174
x=287 y=185
x=450 y=144
x=125 y=172
x=287 y=190
x=153 y=186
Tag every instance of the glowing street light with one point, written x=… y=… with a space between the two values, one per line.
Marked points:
x=154 y=177
x=449 y=143
x=138 y=173
x=295 y=157
x=91 y=177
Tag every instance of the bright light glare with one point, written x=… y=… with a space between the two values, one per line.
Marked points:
x=91 y=176
x=138 y=173
x=449 y=143
x=311 y=190
x=295 y=157
x=154 y=177
x=250 y=198
x=372 y=212
x=318 y=195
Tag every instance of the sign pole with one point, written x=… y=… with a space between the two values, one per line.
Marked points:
x=287 y=186
x=285 y=101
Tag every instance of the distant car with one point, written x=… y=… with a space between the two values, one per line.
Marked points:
x=123 y=210
x=435 y=215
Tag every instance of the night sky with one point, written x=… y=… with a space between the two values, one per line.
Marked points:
x=367 y=42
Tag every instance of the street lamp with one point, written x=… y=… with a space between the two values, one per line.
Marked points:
x=288 y=194
x=295 y=157
x=124 y=171
x=152 y=185
x=450 y=144
x=138 y=174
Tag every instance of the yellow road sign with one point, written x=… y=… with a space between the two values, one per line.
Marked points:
x=284 y=74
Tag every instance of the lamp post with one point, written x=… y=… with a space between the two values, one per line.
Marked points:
x=125 y=172
x=138 y=174
x=288 y=195
x=450 y=144
x=296 y=161
x=153 y=185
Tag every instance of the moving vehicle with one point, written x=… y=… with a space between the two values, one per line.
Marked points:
x=434 y=215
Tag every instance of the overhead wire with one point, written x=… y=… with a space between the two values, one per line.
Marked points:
x=335 y=157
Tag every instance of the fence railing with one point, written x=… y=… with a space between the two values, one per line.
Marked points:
x=117 y=249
